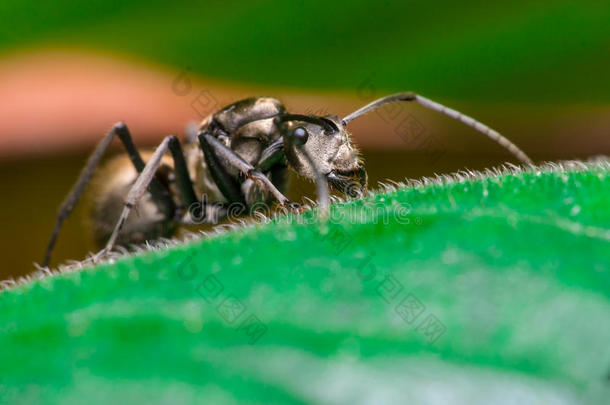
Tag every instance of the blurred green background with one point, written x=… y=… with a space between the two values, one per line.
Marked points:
x=537 y=70
x=525 y=51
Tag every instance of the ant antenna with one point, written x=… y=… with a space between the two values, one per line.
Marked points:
x=471 y=122
x=312 y=119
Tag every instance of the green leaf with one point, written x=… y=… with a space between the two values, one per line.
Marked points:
x=469 y=289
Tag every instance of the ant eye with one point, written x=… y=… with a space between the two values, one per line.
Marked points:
x=301 y=135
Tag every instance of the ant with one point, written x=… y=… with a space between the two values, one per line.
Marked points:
x=239 y=155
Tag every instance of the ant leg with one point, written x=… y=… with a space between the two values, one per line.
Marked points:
x=227 y=184
x=215 y=150
x=273 y=161
x=183 y=178
x=77 y=190
x=271 y=156
x=471 y=122
x=145 y=178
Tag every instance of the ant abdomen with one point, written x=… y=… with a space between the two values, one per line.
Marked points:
x=151 y=220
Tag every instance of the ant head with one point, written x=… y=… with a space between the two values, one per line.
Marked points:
x=328 y=144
